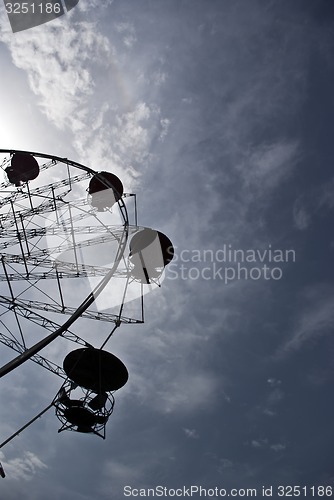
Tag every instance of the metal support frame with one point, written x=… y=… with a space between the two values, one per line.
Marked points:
x=8 y=367
x=35 y=257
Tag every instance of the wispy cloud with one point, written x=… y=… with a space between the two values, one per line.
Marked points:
x=301 y=216
x=23 y=468
x=263 y=443
x=62 y=79
x=64 y=61
x=314 y=203
x=175 y=391
x=315 y=319
x=278 y=447
x=128 y=33
x=191 y=433
x=268 y=165
x=259 y=443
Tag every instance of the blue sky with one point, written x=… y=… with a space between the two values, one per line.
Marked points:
x=218 y=114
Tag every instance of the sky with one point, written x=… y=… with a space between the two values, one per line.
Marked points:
x=218 y=114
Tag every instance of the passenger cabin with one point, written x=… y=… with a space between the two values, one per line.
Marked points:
x=105 y=190
x=150 y=252
x=23 y=168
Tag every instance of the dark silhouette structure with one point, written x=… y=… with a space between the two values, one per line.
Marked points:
x=95 y=373
x=23 y=168
x=105 y=189
x=150 y=252
x=35 y=271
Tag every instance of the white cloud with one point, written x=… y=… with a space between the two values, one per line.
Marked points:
x=85 y=5
x=317 y=201
x=273 y=399
x=316 y=319
x=301 y=217
x=264 y=443
x=191 y=433
x=278 y=447
x=24 y=467
x=326 y=195
x=269 y=413
x=121 y=142
x=266 y=166
x=274 y=382
x=171 y=391
x=224 y=463
x=64 y=61
x=165 y=124
x=57 y=59
x=127 y=30
x=275 y=396
x=259 y=443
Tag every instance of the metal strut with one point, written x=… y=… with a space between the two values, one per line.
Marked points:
x=8 y=367
x=27 y=425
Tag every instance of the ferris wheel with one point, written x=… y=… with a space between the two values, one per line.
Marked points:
x=72 y=254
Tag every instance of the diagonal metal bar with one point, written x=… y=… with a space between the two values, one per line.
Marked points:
x=42 y=321
x=27 y=424
x=36 y=358
x=21 y=358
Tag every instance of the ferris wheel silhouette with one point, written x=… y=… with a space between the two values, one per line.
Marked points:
x=66 y=237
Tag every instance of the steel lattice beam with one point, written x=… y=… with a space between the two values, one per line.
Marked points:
x=43 y=322
x=21 y=195
x=63 y=267
x=57 y=308
x=40 y=360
